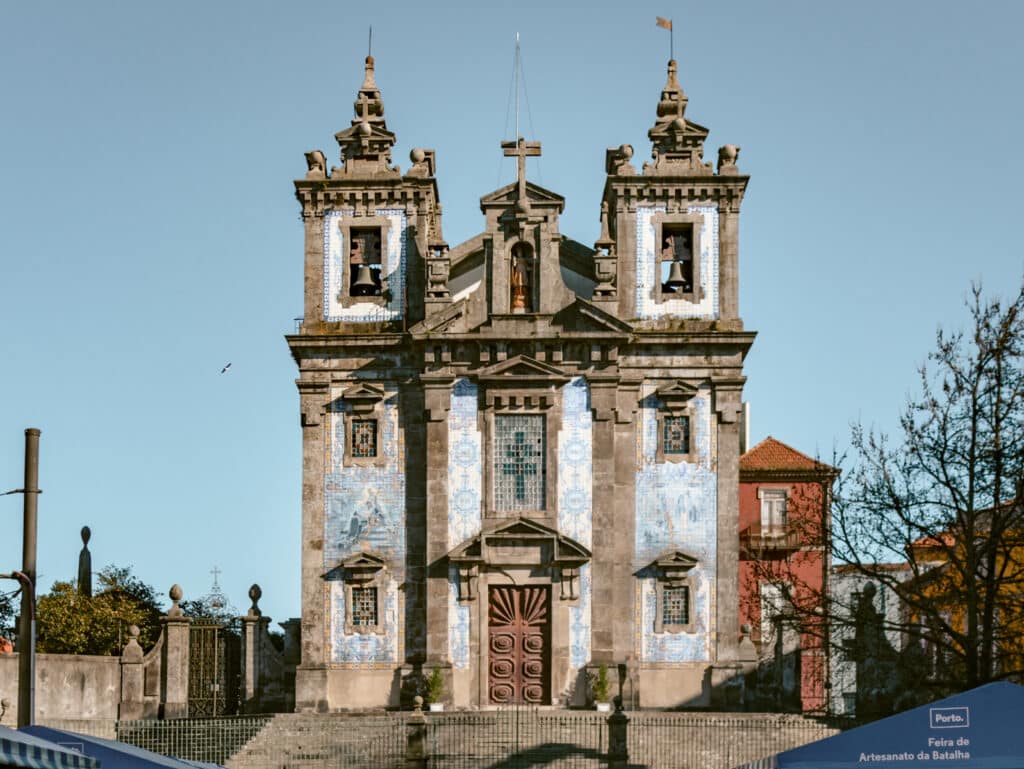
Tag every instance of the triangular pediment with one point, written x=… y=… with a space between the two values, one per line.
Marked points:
x=675 y=560
x=360 y=566
x=507 y=195
x=363 y=392
x=676 y=392
x=353 y=132
x=582 y=315
x=692 y=129
x=441 y=322
x=365 y=559
x=500 y=542
x=522 y=369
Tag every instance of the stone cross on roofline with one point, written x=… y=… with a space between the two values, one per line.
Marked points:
x=521 y=149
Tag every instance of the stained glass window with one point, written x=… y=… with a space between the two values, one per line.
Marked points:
x=364 y=438
x=519 y=462
x=675 y=605
x=364 y=606
x=676 y=437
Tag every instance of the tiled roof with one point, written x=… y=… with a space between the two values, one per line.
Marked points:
x=771 y=454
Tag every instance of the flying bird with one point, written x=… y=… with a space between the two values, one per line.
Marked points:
x=224 y=370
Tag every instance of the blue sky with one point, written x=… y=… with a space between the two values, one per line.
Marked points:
x=149 y=233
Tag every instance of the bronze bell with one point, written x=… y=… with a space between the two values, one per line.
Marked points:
x=364 y=284
x=675 y=278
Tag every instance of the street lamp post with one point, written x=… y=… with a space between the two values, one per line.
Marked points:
x=27 y=578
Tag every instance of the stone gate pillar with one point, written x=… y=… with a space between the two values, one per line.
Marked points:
x=132 y=678
x=174 y=660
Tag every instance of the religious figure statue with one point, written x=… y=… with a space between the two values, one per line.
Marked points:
x=520 y=282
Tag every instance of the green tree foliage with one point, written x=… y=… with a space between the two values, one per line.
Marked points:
x=8 y=611
x=69 y=623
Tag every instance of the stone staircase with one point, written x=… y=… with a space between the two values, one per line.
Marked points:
x=316 y=740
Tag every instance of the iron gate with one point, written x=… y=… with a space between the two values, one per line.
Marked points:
x=214 y=669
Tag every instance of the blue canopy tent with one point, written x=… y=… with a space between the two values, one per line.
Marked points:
x=979 y=729
x=111 y=753
x=23 y=750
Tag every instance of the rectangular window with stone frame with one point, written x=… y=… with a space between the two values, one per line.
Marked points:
x=675 y=434
x=519 y=462
x=364 y=606
x=674 y=607
x=365 y=263
x=363 y=439
x=677 y=257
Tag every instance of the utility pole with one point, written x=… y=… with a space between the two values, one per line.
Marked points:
x=27 y=626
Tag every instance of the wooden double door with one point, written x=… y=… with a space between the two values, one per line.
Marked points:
x=519 y=645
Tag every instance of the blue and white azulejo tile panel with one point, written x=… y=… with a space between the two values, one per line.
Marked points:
x=677 y=508
x=465 y=484
x=335 y=262
x=458 y=623
x=575 y=502
x=364 y=509
x=647 y=272
x=356 y=648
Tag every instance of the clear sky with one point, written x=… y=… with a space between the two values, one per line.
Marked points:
x=149 y=233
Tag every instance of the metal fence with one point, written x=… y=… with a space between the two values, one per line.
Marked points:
x=194 y=739
x=506 y=739
x=516 y=739
x=682 y=740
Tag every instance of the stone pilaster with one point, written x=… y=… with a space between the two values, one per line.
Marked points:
x=728 y=261
x=310 y=677
x=437 y=401
x=727 y=625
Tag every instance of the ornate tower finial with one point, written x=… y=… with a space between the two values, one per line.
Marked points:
x=366 y=145
x=676 y=143
x=673 y=99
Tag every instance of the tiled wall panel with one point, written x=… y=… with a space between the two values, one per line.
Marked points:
x=575 y=502
x=647 y=268
x=465 y=479
x=676 y=508
x=335 y=263
x=364 y=510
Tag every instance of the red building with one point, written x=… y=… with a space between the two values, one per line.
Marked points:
x=784 y=517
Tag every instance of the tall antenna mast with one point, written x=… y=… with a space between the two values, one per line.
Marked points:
x=517 y=66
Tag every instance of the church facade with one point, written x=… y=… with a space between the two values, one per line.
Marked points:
x=521 y=452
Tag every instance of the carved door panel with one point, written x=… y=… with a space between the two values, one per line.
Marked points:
x=519 y=623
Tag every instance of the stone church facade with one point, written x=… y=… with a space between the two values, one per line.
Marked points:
x=520 y=453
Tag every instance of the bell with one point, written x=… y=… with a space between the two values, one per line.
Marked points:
x=364 y=284
x=675 y=278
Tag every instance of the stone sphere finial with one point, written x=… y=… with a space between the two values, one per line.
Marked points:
x=133 y=632
x=175 y=594
x=417 y=702
x=86 y=534
x=255 y=593
x=417 y=155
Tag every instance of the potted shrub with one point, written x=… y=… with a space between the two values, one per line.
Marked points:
x=435 y=690
x=601 y=688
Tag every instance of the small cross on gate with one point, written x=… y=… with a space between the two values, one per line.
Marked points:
x=215 y=572
x=521 y=149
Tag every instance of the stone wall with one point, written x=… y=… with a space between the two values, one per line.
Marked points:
x=68 y=686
